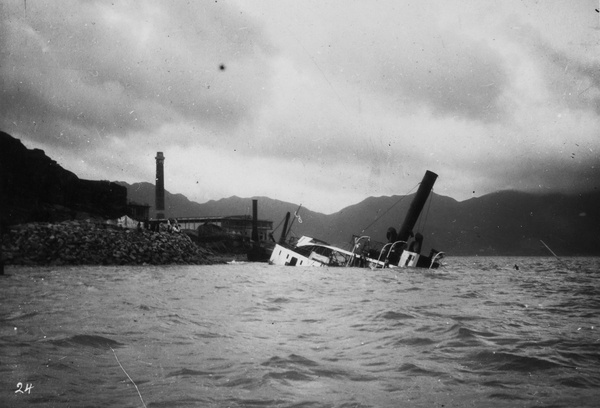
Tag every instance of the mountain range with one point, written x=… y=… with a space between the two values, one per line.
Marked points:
x=33 y=187
x=504 y=223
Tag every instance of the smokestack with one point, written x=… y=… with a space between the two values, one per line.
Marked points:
x=255 y=222
x=417 y=205
x=160 y=185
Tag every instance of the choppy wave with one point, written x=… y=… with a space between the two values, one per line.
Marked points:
x=479 y=332
x=87 y=340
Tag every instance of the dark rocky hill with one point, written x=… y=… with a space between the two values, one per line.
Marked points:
x=33 y=187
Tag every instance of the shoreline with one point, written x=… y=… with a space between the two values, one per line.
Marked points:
x=93 y=243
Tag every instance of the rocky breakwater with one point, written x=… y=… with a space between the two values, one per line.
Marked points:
x=92 y=243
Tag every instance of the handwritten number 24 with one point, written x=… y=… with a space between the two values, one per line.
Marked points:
x=23 y=388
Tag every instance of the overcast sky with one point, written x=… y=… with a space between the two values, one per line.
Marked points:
x=322 y=103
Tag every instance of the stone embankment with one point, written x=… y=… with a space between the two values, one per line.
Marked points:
x=91 y=243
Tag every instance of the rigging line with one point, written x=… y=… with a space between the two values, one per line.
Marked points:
x=556 y=256
x=278 y=225
x=389 y=209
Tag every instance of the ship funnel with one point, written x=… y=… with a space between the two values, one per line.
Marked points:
x=255 y=222
x=160 y=185
x=417 y=206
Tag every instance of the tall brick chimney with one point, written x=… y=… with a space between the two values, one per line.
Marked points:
x=160 y=185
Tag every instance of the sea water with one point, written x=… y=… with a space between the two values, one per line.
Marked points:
x=480 y=332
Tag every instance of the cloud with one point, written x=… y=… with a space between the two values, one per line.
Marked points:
x=127 y=68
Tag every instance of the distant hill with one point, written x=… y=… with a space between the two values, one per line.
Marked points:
x=512 y=222
x=503 y=223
